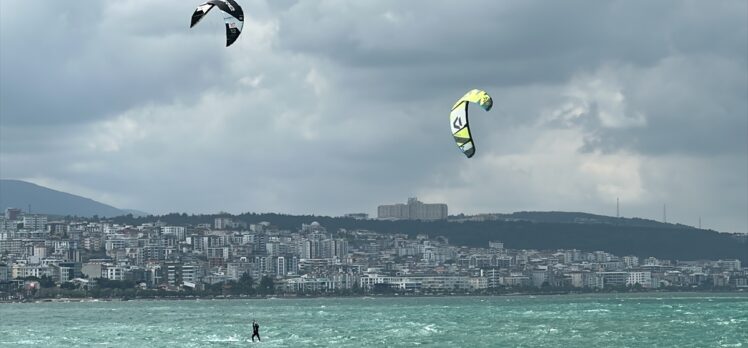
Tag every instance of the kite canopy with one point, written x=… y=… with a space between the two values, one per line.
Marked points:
x=234 y=17
x=458 y=119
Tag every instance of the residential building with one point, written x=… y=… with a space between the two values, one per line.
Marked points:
x=413 y=210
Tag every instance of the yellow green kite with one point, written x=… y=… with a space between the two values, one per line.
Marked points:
x=458 y=119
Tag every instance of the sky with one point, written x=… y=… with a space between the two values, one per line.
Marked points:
x=329 y=107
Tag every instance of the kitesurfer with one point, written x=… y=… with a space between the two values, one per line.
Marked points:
x=255 y=330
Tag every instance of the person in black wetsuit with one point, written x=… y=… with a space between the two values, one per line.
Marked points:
x=255 y=330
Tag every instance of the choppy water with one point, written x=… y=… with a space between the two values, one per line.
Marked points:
x=640 y=320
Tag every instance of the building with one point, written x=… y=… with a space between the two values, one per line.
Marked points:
x=541 y=277
x=584 y=280
x=4 y=272
x=496 y=245
x=113 y=272
x=281 y=268
x=339 y=248
x=613 y=279
x=357 y=216
x=413 y=210
x=393 y=212
x=312 y=249
x=173 y=273
x=191 y=272
x=34 y=222
x=12 y=214
x=643 y=278
x=222 y=223
x=631 y=261
x=731 y=265
x=24 y=270
x=235 y=270
x=493 y=277
x=177 y=231
x=93 y=270
x=7 y=225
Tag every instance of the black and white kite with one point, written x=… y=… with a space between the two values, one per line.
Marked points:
x=234 y=17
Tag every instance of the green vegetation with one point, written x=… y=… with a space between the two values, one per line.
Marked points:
x=630 y=237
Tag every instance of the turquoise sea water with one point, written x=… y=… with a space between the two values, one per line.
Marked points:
x=611 y=320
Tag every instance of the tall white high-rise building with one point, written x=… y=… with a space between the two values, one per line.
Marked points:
x=222 y=223
x=177 y=231
x=413 y=210
x=643 y=278
x=340 y=248
x=34 y=222
x=13 y=214
x=281 y=268
x=312 y=249
x=631 y=261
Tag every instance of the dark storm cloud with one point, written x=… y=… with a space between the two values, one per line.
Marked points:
x=692 y=105
x=330 y=106
x=70 y=62
x=415 y=50
x=511 y=42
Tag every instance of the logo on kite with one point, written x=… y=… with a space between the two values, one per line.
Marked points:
x=458 y=123
x=231 y=7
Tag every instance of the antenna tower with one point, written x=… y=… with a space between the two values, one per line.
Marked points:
x=618 y=208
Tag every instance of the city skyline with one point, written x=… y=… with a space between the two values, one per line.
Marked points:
x=202 y=259
x=334 y=107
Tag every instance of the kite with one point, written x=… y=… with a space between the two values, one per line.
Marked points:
x=458 y=119
x=234 y=17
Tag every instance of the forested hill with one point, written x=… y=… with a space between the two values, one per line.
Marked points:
x=665 y=241
x=577 y=217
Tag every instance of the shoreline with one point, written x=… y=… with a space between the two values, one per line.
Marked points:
x=741 y=292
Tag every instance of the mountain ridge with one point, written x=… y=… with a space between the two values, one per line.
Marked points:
x=570 y=217
x=43 y=200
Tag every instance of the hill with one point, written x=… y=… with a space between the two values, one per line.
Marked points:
x=664 y=241
x=566 y=217
x=21 y=194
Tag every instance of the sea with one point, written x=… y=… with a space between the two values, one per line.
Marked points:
x=596 y=320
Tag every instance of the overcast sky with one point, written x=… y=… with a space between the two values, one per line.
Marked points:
x=336 y=106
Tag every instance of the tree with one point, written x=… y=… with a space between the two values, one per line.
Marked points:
x=229 y=288
x=245 y=286
x=46 y=282
x=356 y=288
x=106 y=283
x=216 y=288
x=266 y=286
x=382 y=288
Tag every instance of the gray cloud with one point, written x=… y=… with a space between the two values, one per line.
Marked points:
x=336 y=106
x=77 y=62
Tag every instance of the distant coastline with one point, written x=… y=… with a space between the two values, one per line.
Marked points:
x=741 y=292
